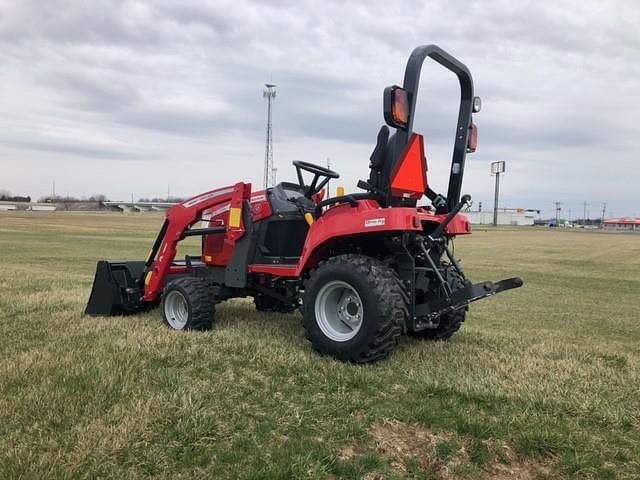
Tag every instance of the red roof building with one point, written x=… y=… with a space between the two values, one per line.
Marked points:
x=622 y=223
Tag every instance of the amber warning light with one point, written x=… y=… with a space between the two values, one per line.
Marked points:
x=396 y=107
x=472 y=143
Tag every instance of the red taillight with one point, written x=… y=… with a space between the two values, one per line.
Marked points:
x=472 y=143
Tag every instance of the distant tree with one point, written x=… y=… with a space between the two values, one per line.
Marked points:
x=58 y=199
x=5 y=195
x=98 y=197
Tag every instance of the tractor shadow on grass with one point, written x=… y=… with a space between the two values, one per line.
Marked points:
x=241 y=314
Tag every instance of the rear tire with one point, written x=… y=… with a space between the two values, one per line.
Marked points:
x=451 y=322
x=355 y=308
x=188 y=304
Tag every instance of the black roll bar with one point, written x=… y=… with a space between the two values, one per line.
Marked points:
x=411 y=83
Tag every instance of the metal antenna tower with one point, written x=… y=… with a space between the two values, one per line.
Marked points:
x=269 y=168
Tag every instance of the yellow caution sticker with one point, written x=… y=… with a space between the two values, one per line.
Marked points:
x=234 y=217
x=208 y=258
x=147 y=279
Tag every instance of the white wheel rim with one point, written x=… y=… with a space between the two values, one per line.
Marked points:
x=338 y=311
x=176 y=310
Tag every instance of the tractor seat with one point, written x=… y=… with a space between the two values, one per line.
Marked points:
x=378 y=163
x=287 y=196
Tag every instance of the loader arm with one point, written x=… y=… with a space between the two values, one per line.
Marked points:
x=177 y=225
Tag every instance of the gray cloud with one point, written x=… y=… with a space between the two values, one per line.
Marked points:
x=78 y=150
x=166 y=80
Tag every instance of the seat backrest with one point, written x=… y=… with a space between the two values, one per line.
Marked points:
x=379 y=159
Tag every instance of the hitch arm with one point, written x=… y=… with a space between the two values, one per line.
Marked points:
x=464 y=296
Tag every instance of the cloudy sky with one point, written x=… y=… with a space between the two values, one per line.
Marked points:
x=127 y=97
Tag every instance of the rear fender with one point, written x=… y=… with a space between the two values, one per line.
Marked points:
x=367 y=218
x=458 y=226
x=343 y=221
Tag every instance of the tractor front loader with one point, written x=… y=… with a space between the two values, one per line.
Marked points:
x=363 y=267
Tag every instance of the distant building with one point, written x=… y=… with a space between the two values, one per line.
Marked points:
x=622 y=223
x=506 y=216
x=42 y=208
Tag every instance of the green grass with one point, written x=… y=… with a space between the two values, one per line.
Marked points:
x=541 y=382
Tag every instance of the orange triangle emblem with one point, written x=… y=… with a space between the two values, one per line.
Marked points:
x=409 y=177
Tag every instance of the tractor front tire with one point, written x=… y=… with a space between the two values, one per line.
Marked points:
x=450 y=322
x=355 y=308
x=188 y=304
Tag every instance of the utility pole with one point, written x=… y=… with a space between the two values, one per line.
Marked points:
x=269 y=169
x=558 y=206
x=604 y=209
x=496 y=169
x=584 y=213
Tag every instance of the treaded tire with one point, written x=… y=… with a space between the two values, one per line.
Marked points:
x=199 y=303
x=384 y=306
x=451 y=322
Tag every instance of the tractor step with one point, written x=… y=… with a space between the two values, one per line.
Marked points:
x=116 y=289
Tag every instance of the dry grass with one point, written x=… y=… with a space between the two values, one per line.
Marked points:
x=541 y=382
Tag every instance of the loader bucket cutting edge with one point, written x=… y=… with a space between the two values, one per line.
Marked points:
x=116 y=289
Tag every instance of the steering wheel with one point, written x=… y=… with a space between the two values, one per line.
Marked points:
x=318 y=172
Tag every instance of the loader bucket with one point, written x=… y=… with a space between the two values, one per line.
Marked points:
x=116 y=289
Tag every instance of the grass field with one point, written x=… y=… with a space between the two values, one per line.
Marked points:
x=541 y=382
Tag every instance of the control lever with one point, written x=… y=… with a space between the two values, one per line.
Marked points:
x=464 y=201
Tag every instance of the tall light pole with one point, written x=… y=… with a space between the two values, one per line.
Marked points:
x=269 y=169
x=558 y=206
x=496 y=169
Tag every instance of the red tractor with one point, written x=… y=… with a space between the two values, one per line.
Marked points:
x=364 y=267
